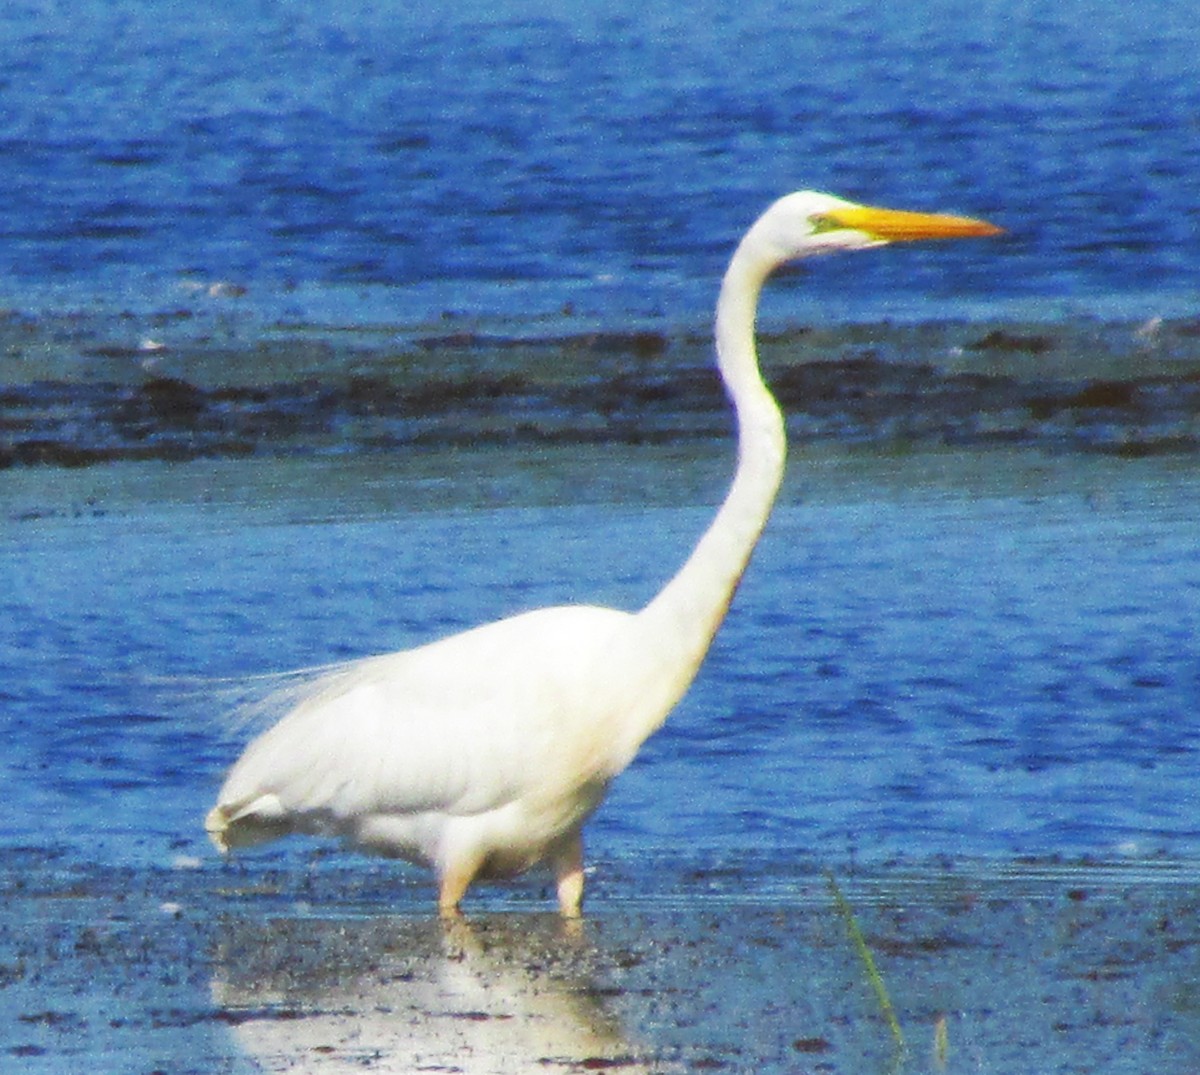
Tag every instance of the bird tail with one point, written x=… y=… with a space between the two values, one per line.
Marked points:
x=216 y=824
x=231 y=826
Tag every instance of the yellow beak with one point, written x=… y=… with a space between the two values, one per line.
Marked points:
x=897 y=226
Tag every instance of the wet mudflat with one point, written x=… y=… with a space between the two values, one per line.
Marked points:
x=1035 y=967
x=83 y=391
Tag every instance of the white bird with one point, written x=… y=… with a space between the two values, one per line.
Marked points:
x=484 y=753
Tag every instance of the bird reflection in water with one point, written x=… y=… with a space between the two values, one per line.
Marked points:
x=511 y=994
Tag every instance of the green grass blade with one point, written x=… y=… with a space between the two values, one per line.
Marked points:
x=864 y=953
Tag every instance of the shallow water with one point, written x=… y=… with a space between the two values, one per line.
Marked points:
x=977 y=656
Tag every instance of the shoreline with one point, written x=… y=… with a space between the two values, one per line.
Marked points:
x=72 y=400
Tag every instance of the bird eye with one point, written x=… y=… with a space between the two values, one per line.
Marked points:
x=823 y=222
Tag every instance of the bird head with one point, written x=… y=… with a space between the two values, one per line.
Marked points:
x=808 y=222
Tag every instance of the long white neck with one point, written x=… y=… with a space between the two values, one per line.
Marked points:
x=685 y=615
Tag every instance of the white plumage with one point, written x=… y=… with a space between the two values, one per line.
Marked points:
x=484 y=753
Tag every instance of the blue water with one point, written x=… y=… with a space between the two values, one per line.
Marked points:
x=393 y=162
x=974 y=667
x=910 y=669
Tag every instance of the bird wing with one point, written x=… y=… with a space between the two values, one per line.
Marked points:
x=463 y=725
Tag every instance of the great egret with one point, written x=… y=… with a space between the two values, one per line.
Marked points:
x=485 y=752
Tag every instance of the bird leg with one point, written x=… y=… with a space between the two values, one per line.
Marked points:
x=453 y=885
x=568 y=872
x=459 y=938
